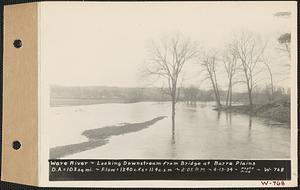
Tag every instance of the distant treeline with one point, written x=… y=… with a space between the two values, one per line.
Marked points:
x=138 y=94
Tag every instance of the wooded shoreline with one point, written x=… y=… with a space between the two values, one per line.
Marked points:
x=278 y=110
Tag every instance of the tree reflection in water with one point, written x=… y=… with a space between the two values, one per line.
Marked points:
x=218 y=116
x=249 y=127
x=228 y=119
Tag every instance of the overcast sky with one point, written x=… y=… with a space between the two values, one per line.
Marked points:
x=106 y=43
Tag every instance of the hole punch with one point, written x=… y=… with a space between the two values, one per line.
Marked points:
x=17 y=43
x=16 y=145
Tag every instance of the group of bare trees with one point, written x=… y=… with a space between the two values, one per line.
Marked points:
x=243 y=56
x=243 y=60
x=191 y=94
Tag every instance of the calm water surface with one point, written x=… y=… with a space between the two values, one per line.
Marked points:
x=200 y=132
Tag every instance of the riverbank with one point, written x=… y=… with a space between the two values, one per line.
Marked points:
x=278 y=110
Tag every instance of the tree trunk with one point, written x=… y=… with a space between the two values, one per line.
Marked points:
x=217 y=93
x=249 y=88
x=250 y=98
x=272 y=88
x=217 y=97
x=230 y=96
x=227 y=97
x=219 y=103
x=271 y=81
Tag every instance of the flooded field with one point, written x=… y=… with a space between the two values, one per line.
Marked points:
x=144 y=130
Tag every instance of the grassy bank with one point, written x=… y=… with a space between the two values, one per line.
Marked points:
x=278 y=110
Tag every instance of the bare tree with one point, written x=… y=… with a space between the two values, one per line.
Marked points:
x=209 y=64
x=266 y=63
x=191 y=94
x=230 y=64
x=249 y=52
x=167 y=59
x=284 y=41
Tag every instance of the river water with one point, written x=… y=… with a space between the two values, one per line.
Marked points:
x=200 y=132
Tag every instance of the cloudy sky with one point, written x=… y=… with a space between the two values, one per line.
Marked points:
x=106 y=43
